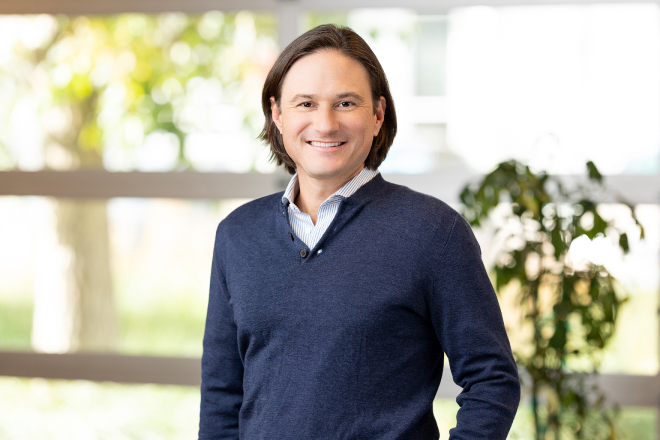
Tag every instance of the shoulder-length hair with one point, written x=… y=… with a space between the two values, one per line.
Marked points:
x=350 y=44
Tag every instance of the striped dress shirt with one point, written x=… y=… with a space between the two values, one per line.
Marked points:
x=301 y=223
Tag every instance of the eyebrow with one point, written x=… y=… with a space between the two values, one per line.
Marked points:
x=302 y=96
x=351 y=95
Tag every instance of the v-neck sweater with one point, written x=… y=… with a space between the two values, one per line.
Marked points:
x=301 y=222
x=348 y=343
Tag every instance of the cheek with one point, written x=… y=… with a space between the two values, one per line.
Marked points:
x=293 y=126
x=364 y=129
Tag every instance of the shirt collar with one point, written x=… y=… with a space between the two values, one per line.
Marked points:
x=345 y=191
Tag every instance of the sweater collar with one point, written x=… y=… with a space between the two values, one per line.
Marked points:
x=351 y=187
x=368 y=191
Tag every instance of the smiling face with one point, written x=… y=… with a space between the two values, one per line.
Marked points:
x=326 y=117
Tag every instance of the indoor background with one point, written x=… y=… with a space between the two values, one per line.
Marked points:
x=129 y=131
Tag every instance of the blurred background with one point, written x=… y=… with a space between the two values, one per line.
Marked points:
x=128 y=132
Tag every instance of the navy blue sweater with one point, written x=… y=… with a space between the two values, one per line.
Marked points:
x=346 y=340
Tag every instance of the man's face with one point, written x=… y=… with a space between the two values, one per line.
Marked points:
x=326 y=116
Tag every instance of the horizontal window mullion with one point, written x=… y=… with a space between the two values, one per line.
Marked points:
x=80 y=7
x=102 y=367
x=635 y=188
x=623 y=389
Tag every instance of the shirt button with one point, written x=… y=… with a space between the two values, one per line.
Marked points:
x=303 y=253
x=291 y=236
x=308 y=231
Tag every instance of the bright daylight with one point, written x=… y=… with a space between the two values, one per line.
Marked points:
x=129 y=132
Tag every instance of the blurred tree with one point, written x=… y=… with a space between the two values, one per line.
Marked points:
x=114 y=80
x=568 y=306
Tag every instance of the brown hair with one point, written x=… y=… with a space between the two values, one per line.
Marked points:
x=350 y=44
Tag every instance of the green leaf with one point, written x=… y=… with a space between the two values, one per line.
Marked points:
x=558 y=340
x=557 y=242
x=81 y=86
x=593 y=172
x=623 y=242
x=502 y=277
x=90 y=136
x=599 y=224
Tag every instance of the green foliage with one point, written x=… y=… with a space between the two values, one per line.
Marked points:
x=133 y=71
x=570 y=307
x=313 y=19
x=16 y=322
x=170 y=327
x=62 y=410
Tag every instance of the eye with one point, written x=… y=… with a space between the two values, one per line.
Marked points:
x=306 y=104
x=345 y=104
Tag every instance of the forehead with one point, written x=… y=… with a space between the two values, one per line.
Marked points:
x=326 y=72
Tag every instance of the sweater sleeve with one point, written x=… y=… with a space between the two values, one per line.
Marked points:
x=468 y=322
x=222 y=368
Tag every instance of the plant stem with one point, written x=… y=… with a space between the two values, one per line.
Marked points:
x=535 y=408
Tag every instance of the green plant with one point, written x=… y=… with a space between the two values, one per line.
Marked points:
x=102 y=85
x=568 y=308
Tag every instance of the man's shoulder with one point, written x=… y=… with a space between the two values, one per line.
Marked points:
x=423 y=218
x=254 y=213
x=422 y=206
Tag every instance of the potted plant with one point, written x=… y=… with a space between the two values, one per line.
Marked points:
x=568 y=308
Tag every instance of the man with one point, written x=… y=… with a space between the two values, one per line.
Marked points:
x=331 y=304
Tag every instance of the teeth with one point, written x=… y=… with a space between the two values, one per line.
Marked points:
x=325 y=144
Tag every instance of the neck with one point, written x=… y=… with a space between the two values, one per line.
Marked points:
x=312 y=192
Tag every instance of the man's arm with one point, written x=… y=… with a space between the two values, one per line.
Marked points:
x=222 y=369
x=469 y=325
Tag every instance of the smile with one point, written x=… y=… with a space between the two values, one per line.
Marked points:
x=325 y=144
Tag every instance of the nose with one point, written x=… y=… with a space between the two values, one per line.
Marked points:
x=325 y=120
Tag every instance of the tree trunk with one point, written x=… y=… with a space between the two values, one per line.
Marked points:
x=74 y=308
x=83 y=227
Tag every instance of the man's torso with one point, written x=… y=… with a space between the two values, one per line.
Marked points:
x=342 y=336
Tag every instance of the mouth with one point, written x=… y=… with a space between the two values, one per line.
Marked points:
x=325 y=144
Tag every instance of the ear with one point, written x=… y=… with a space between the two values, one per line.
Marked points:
x=379 y=117
x=275 y=113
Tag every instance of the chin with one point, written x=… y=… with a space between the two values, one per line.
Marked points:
x=327 y=174
x=330 y=170
x=323 y=170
